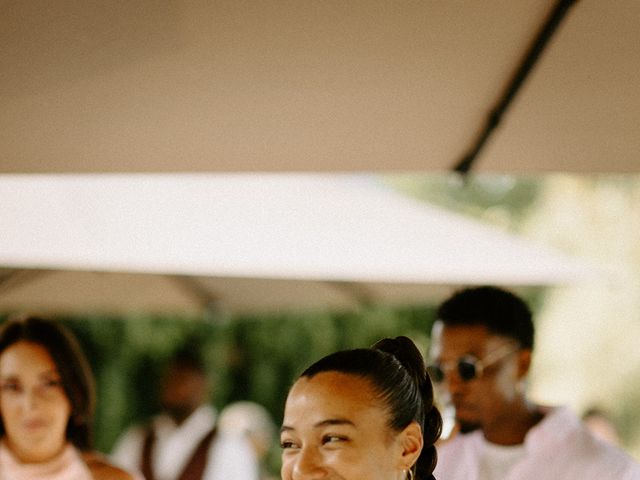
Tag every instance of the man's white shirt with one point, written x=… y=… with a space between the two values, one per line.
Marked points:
x=558 y=448
x=228 y=457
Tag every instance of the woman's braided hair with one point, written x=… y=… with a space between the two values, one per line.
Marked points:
x=422 y=401
x=397 y=370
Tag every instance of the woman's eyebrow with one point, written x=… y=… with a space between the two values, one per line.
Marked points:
x=323 y=423
x=334 y=421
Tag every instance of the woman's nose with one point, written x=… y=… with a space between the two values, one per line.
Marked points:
x=30 y=399
x=308 y=465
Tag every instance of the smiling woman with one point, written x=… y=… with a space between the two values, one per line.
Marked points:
x=46 y=406
x=364 y=413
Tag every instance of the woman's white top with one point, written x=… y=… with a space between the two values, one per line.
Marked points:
x=68 y=465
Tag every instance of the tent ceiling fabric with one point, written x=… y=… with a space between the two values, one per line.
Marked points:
x=217 y=237
x=81 y=292
x=189 y=85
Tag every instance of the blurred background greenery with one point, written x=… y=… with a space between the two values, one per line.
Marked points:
x=249 y=358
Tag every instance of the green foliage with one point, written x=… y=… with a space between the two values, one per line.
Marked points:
x=253 y=358
x=503 y=200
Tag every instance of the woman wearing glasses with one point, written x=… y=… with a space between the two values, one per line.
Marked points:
x=362 y=414
x=46 y=406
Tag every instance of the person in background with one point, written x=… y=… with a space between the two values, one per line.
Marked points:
x=183 y=441
x=600 y=424
x=362 y=414
x=482 y=343
x=46 y=406
x=254 y=422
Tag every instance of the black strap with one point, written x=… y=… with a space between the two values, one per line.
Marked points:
x=145 y=461
x=194 y=468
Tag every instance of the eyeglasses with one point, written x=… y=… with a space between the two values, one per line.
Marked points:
x=469 y=367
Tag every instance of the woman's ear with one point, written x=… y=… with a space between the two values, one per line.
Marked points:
x=411 y=445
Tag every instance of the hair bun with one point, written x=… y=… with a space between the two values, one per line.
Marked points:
x=407 y=354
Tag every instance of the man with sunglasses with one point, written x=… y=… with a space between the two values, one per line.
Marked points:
x=480 y=354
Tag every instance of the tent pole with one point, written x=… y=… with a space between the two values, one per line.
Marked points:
x=208 y=300
x=525 y=67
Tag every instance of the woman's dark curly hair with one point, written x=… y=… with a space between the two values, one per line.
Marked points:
x=397 y=370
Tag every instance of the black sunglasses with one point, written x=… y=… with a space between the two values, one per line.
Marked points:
x=469 y=367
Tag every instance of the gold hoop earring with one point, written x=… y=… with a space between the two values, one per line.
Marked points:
x=410 y=474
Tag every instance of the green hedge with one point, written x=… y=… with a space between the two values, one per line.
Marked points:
x=249 y=357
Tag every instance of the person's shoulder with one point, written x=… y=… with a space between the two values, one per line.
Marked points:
x=102 y=469
x=456 y=439
x=129 y=444
x=457 y=456
x=596 y=456
x=137 y=429
x=459 y=445
x=595 y=453
x=230 y=441
x=234 y=449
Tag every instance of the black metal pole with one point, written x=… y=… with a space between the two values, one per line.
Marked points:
x=527 y=64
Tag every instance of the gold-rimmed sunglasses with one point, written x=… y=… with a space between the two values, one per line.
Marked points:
x=469 y=367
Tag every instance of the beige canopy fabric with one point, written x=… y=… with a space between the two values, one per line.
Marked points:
x=362 y=85
x=77 y=292
x=246 y=242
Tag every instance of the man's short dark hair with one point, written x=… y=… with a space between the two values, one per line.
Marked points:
x=502 y=312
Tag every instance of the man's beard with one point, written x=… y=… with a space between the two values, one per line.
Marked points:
x=179 y=413
x=467 y=427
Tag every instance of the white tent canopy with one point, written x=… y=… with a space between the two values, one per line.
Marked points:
x=361 y=85
x=222 y=237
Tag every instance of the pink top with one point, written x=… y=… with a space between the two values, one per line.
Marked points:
x=66 y=466
x=559 y=447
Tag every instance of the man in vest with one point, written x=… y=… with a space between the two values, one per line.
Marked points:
x=182 y=443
